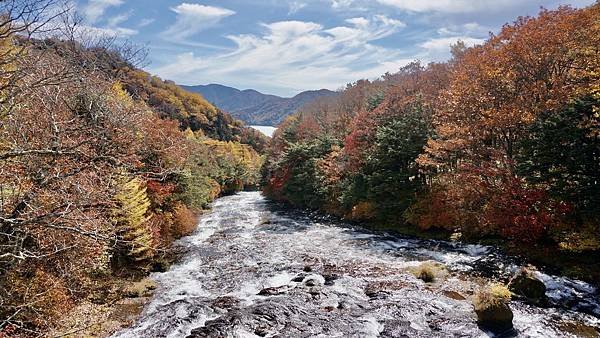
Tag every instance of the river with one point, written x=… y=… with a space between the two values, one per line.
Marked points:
x=254 y=269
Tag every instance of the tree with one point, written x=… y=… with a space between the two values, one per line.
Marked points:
x=562 y=154
x=497 y=89
x=131 y=217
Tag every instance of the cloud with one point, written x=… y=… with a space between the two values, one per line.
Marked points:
x=118 y=19
x=449 y=6
x=470 y=29
x=145 y=22
x=351 y=5
x=438 y=49
x=193 y=18
x=95 y=9
x=85 y=31
x=296 y=55
x=295 y=6
x=337 y=4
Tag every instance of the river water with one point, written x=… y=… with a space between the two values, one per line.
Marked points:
x=254 y=269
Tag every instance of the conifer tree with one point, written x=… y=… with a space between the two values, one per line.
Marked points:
x=131 y=218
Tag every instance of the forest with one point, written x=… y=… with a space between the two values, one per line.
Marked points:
x=502 y=141
x=102 y=166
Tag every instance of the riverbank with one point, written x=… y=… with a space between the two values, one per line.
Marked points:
x=577 y=265
x=583 y=266
x=116 y=302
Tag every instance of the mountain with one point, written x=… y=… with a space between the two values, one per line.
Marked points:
x=254 y=107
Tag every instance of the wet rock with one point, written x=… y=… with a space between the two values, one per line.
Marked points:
x=261 y=331
x=525 y=284
x=160 y=265
x=315 y=291
x=374 y=291
x=312 y=282
x=453 y=295
x=491 y=307
x=398 y=328
x=226 y=302
x=307 y=268
x=329 y=308
x=330 y=279
x=496 y=318
x=299 y=278
x=274 y=291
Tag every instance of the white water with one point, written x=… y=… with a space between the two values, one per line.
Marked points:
x=243 y=277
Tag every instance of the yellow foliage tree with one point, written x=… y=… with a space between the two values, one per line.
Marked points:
x=131 y=218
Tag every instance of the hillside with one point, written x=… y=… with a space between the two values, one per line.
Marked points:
x=254 y=107
x=103 y=167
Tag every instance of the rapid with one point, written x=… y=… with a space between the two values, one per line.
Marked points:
x=255 y=269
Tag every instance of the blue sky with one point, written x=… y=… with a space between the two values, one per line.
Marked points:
x=286 y=46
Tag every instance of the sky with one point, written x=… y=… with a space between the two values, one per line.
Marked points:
x=283 y=47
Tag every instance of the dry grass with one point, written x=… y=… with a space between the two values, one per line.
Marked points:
x=491 y=295
x=429 y=271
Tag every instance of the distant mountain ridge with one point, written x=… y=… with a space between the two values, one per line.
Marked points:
x=254 y=107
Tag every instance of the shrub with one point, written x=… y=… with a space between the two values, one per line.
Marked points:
x=429 y=271
x=492 y=295
x=184 y=221
x=363 y=211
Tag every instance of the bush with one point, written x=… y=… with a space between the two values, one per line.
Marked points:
x=184 y=221
x=492 y=295
x=429 y=271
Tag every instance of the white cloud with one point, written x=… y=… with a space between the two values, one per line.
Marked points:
x=193 y=18
x=468 y=29
x=145 y=22
x=438 y=49
x=118 y=19
x=351 y=5
x=295 y=6
x=449 y=6
x=95 y=9
x=117 y=32
x=336 y=4
x=296 y=55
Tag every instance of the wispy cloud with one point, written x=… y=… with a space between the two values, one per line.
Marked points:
x=95 y=9
x=118 y=19
x=193 y=18
x=438 y=49
x=117 y=32
x=297 y=55
x=295 y=6
x=145 y=22
x=449 y=6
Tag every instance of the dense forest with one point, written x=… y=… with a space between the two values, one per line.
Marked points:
x=501 y=141
x=102 y=166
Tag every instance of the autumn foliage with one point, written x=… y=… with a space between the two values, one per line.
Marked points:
x=501 y=140
x=102 y=167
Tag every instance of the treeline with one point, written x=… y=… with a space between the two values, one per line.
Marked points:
x=102 y=166
x=502 y=140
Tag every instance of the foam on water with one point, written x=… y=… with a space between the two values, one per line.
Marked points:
x=359 y=282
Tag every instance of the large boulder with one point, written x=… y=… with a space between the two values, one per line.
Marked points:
x=526 y=285
x=496 y=318
x=492 y=309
